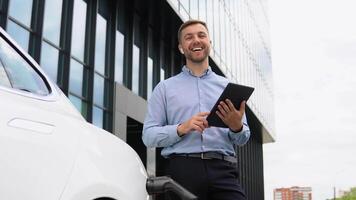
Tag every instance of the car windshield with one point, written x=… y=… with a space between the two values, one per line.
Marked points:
x=17 y=73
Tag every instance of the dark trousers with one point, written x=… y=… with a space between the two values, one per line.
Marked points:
x=210 y=179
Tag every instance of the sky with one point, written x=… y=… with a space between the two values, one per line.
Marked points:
x=314 y=69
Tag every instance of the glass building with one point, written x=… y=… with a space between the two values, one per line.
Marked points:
x=108 y=55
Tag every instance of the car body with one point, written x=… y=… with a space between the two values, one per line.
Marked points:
x=48 y=150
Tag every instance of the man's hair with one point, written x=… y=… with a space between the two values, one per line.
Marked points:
x=188 y=23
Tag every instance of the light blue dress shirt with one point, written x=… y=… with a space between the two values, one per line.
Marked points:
x=175 y=101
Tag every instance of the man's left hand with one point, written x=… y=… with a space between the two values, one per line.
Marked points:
x=230 y=115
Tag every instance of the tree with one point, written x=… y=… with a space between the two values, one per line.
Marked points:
x=349 y=195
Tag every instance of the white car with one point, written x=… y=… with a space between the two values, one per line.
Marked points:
x=48 y=151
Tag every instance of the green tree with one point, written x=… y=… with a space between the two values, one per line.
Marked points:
x=349 y=195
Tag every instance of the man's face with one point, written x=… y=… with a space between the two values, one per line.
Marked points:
x=195 y=43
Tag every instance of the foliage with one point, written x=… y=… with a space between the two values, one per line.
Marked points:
x=349 y=195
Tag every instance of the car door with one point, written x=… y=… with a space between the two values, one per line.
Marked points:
x=38 y=139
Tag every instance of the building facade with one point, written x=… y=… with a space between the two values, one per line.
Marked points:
x=107 y=56
x=293 y=193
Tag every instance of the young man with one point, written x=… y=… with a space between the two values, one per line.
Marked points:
x=201 y=158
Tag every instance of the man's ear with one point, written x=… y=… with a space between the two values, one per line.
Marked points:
x=180 y=49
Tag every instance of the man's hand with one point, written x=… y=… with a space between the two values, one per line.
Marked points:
x=230 y=115
x=197 y=123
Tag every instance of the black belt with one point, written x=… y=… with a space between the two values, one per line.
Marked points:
x=206 y=156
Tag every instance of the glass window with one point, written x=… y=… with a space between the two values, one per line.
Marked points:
x=184 y=9
x=52 y=20
x=4 y=79
x=202 y=10
x=222 y=33
x=79 y=104
x=234 y=53
x=119 y=57
x=216 y=42
x=185 y=4
x=229 y=43
x=100 y=44
x=98 y=117
x=19 y=34
x=149 y=76
x=21 y=11
x=210 y=22
x=78 y=30
x=49 y=60
x=194 y=9
x=20 y=73
x=98 y=96
x=77 y=74
x=135 y=68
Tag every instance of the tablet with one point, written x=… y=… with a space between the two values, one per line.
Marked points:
x=236 y=93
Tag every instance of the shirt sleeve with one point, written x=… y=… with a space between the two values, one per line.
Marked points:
x=242 y=137
x=156 y=131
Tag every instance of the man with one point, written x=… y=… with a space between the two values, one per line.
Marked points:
x=201 y=158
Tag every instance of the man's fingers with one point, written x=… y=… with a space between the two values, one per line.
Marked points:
x=222 y=110
x=198 y=127
x=199 y=122
x=224 y=106
x=231 y=106
x=203 y=114
x=221 y=116
x=242 y=107
x=206 y=124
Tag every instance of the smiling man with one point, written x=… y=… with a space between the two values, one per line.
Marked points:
x=201 y=158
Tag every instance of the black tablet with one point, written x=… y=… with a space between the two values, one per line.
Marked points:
x=236 y=93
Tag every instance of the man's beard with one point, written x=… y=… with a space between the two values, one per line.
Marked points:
x=200 y=59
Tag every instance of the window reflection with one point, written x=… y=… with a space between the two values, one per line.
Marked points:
x=20 y=73
x=98 y=97
x=100 y=44
x=49 y=60
x=4 y=80
x=135 y=68
x=98 y=117
x=52 y=20
x=21 y=11
x=76 y=76
x=78 y=29
x=79 y=104
x=119 y=57
x=19 y=34
x=149 y=76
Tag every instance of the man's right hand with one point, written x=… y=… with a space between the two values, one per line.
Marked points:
x=197 y=123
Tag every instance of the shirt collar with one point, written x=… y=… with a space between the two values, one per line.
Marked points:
x=187 y=71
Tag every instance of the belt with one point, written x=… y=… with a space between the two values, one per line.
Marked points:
x=207 y=156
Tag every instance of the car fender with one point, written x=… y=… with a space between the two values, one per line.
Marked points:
x=105 y=167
